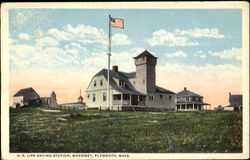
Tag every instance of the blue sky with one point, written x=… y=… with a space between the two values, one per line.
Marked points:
x=186 y=41
x=139 y=26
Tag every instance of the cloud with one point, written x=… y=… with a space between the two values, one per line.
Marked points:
x=60 y=35
x=124 y=60
x=200 y=54
x=177 y=54
x=86 y=34
x=27 y=56
x=24 y=36
x=232 y=53
x=164 y=38
x=47 y=41
x=200 y=32
x=120 y=39
x=182 y=37
x=202 y=80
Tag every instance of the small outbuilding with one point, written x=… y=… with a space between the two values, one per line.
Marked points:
x=235 y=102
x=23 y=96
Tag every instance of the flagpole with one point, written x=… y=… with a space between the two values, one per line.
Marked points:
x=109 y=54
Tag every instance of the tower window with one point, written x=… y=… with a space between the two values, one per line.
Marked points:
x=161 y=96
x=93 y=97
x=94 y=83
x=170 y=97
x=151 y=98
x=101 y=82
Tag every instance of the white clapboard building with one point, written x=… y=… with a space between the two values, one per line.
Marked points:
x=130 y=91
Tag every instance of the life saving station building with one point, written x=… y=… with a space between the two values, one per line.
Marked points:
x=130 y=91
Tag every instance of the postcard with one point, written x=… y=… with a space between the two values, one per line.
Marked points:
x=125 y=80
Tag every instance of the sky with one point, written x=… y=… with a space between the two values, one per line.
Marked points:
x=61 y=49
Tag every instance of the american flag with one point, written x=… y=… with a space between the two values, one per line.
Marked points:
x=116 y=22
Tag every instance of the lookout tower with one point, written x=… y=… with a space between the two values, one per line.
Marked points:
x=145 y=72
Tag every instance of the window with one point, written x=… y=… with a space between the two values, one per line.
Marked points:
x=121 y=83
x=187 y=98
x=134 y=82
x=151 y=98
x=143 y=81
x=170 y=97
x=94 y=83
x=88 y=96
x=101 y=82
x=161 y=97
x=104 y=96
x=93 y=97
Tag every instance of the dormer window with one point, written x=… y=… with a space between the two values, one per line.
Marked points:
x=121 y=83
x=101 y=83
x=94 y=83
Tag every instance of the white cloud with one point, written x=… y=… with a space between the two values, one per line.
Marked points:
x=200 y=54
x=38 y=33
x=47 y=41
x=200 y=32
x=86 y=34
x=164 y=38
x=182 y=37
x=232 y=53
x=26 y=56
x=124 y=60
x=177 y=54
x=202 y=80
x=24 y=36
x=60 y=35
x=120 y=39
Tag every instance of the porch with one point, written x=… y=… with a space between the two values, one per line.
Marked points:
x=128 y=100
x=192 y=106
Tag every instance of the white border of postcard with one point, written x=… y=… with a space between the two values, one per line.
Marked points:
x=128 y=5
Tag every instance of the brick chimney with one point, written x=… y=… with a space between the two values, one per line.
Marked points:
x=115 y=68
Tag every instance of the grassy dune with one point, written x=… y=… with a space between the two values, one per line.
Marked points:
x=32 y=130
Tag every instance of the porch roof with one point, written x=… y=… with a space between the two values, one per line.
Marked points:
x=202 y=103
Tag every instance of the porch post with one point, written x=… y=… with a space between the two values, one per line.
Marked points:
x=138 y=99
x=185 y=107
x=121 y=99
x=130 y=97
x=193 y=106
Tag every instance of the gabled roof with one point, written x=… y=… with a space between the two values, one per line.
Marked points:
x=163 y=90
x=128 y=89
x=24 y=91
x=145 y=54
x=129 y=75
x=186 y=92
